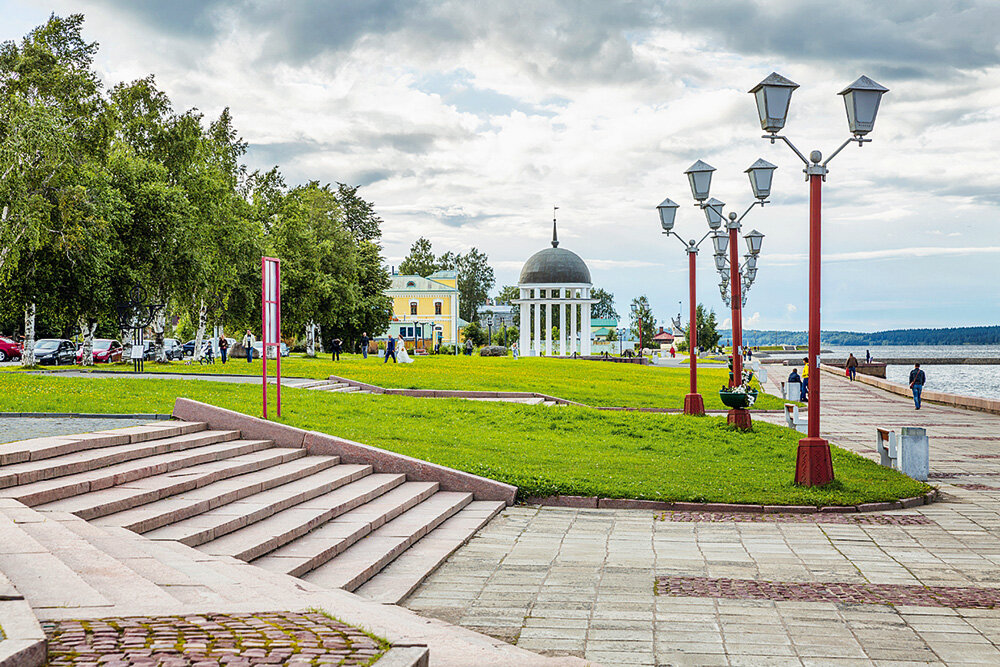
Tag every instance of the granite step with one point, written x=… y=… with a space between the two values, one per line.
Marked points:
x=265 y=536
x=92 y=459
x=102 y=572
x=40 y=576
x=36 y=449
x=362 y=560
x=160 y=513
x=343 y=389
x=223 y=520
x=401 y=577
x=338 y=533
x=128 y=494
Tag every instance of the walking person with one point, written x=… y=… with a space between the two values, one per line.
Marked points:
x=248 y=342
x=335 y=348
x=917 y=380
x=868 y=356
x=364 y=344
x=468 y=347
x=390 y=350
x=516 y=352
x=852 y=366
x=223 y=347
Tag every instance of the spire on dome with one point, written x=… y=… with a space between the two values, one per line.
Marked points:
x=555 y=239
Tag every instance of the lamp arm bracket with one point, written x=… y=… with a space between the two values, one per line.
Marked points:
x=774 y=137
x=676 y=236
x=749 y=208
x=707 y=234
x=861 y=142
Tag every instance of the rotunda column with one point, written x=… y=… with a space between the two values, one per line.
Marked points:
x=573 y=324
x=548 y=327
x=538 y=326
x=585 y=329
x=563 y=321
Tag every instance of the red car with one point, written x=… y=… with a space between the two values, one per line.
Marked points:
x=9 y=349
x=105 y=351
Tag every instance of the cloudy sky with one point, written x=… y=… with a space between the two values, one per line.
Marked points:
x=466 y=121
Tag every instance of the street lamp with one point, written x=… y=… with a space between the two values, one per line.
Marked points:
x=489 y=323
x=861 y=100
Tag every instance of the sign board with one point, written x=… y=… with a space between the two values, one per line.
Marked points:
x=137 y=351
x=270 y=314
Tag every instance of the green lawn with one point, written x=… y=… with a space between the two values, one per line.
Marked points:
x=596 y=383
x=542 y=450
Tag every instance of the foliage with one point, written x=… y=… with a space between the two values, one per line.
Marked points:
x=511 y=333
x=605 y=306
x=507 y=294
x=475 y=280
x=566 y=450
x=420 y=261
x=708 y=336
x=642 y=320
x=476 y=334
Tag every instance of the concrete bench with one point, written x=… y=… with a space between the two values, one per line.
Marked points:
x=793 y=419
x=909 y=453
x=791 y=391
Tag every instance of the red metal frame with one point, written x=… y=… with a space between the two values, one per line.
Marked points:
x=736 y=303
x=814 y=466
x=264 y=301
x=694 y=404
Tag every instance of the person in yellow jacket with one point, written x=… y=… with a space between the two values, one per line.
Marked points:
x=804 y=394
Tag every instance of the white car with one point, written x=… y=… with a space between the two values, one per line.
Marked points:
x=258 y=346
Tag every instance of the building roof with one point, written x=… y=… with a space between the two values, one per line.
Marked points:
x=603 y=322
x=554 y=266
x=663 y=335
x=419 y=283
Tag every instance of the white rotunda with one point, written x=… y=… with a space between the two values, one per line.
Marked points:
x=554 y=279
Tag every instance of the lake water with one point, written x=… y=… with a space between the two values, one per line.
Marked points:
x=968 y=380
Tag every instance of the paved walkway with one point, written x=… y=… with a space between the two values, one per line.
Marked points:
x=823 y=590
x=25 y=428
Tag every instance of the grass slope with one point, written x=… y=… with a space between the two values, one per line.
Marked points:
x=596 y=383
x=541 y=450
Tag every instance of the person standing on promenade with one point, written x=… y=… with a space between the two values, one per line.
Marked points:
x=364 y=344
x=804 y=394
x=335 y=348
x=868 y=356
x=390 y=350
x=248 y=342
x=852 y=367
x=917 y=380
x=223 y=347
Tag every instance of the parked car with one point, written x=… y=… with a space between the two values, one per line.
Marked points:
x=10 y=350
x=173 y=348
x=106 y=350
x=55 y=351
x=258 y=346
x=149 y=350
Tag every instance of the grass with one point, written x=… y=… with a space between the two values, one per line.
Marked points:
x=595 y=383
x=543 y=451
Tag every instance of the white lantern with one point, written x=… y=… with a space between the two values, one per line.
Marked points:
x=773 y=95
x=668 y=211
x=862 y=99
x=700 y=178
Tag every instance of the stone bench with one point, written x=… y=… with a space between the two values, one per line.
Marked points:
x=909 y=453
x=793 y=419
x=791 y=391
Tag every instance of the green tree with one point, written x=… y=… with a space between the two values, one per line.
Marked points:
x=475 y=333
x=507 y=294
x=359 y=215
x=642 y=320
x=708 y=337
x=475 y=280
x=420 y=261
x=605 y=306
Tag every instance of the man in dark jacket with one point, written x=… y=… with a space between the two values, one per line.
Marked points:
x=917 y=380
x=390 y=350
x=852 y=367
x=364 y=344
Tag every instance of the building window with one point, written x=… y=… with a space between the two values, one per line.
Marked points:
x=410 y=283
x=437 y=307
x=413 y=308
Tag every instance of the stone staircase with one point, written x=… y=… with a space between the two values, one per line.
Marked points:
x=191 y=491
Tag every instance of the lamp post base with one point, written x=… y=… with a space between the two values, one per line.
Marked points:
x=813 y=467
x=694 y=404
x=740 y=418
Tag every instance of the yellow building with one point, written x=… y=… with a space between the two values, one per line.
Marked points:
x=421 y=306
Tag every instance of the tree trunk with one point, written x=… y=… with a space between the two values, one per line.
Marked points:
x=159 y=324
x=28 y=355
x=200 y=335
x=311 y=339
x=319 y=339
x=87 y=329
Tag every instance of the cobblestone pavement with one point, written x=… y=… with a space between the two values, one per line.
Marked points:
x=24 y=428
x=227 y=639
x=830 y=590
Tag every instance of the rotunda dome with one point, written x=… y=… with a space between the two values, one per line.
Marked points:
x=554 y=266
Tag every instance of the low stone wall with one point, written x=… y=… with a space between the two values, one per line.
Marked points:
x=872 y=369
x=450 y=393
x=940 y=398
x=381 y=460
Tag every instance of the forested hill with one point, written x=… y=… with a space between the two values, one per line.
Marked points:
x=949 y=336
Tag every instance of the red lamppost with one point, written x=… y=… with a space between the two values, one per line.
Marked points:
x=700 y=179
x=861 y=98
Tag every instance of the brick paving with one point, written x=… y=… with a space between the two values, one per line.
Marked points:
x=233 y=640
x=826 y=517
x=575 y=581
x=892 y=594
x=24 y=428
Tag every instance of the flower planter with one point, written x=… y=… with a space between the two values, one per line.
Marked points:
x=737 y=399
